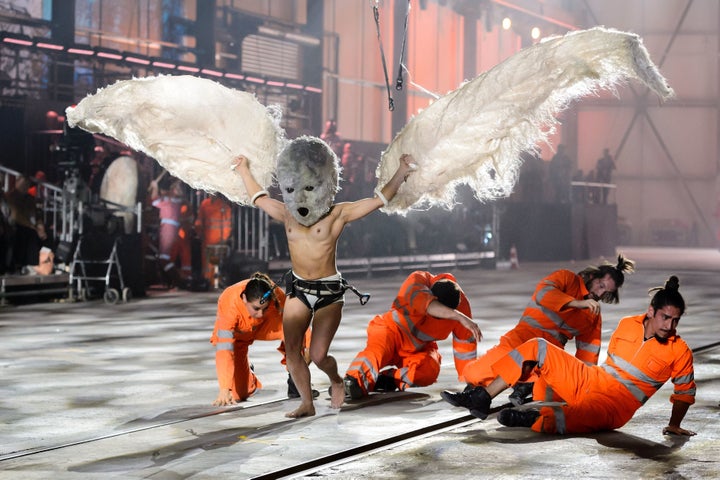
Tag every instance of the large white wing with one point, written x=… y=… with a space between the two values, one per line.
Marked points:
x=475 y=134
x=193 y=127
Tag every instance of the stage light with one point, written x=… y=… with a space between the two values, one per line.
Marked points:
x=254 y=80
x=294 y=86
x=108 y=53
x=81 y=50
x=188 y=68
x=313 y=89
x=234 y=76
x=17 y=39
x=134 y=58
x=212 y=73
x=48 y=45
x=163 y=64
x=273 y=83
x=535 y=33
x=506 y=23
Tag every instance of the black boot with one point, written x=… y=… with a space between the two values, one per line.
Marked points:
x=353 y=390
x=511 y=417
x=292 y=391
x=521 y=394
x=476 y=399
x=385 y=383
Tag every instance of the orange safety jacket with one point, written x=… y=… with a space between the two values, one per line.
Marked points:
x=545 y=317
x=420 y=330
x=234 y=327
x=643 y=366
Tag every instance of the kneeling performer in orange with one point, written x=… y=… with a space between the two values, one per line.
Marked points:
x=645 y=351
x=401 y=349
x=247 y=311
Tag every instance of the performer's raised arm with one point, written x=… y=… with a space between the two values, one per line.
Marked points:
x=406 y=167
x=259 y=197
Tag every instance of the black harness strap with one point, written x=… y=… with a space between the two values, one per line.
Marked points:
x=322 y=288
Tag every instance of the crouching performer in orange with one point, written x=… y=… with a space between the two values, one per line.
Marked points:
x=644 y=352
x=247 y=311
x=401 y=349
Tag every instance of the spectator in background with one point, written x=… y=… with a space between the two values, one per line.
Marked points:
x=603 y=174
x=173 y=236
x=28 y=232
x=213 y=226
x=98 y=167
x=560 y=173
x=332 y=138
x=35 y=190
x=532 y=176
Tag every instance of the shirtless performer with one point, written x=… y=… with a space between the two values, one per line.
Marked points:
x=308 y=176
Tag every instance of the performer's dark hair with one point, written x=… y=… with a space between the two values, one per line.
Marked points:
x=668 y=295
x=617 y=273
x=447 y=292
x=259 y=287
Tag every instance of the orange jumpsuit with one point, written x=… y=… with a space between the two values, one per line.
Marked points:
x=234 y=331
x=405 y=336
x=604 y=397
x=545 y=317
x=214 y=227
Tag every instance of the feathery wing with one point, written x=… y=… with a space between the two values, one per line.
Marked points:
x=475 y=134
x=193 y=127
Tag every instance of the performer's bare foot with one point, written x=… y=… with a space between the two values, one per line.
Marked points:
x=304 y=410
x=337 y=394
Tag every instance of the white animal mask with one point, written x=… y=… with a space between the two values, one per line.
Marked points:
x=308 y=174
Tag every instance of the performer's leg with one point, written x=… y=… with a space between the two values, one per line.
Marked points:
x=419 y=369
x=378 y=353
x=296 y=320
x=185 y=253
x=479 y=372
x=325 y=323
x=604 y=405
x=563 y=372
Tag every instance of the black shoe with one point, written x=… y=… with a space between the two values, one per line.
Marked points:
x=511 y=417
x=521 y=394
x=385 y=383
x=352 y=388
x=476 y=399
x=292 y=391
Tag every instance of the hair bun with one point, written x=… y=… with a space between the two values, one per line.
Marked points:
x=673 y=283
x=624 y=265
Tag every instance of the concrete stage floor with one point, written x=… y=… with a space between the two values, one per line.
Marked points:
x=89 y=390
